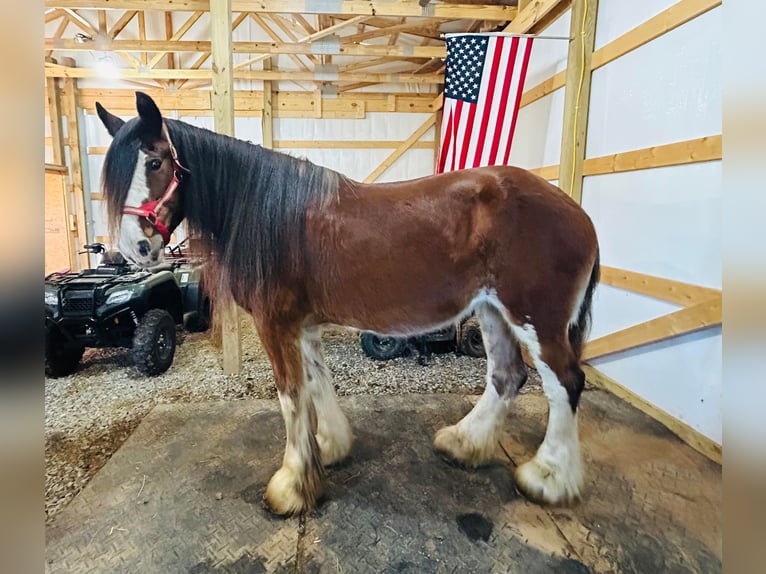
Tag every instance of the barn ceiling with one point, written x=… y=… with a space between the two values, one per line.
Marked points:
x=340 y=45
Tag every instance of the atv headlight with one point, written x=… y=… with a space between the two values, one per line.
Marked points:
x=51 y=298
x=118 y=297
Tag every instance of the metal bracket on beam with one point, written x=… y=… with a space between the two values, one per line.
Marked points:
x=326 y=72
x=327 y=45
x=329 y=91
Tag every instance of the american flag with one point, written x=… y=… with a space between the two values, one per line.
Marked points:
x=482 y=90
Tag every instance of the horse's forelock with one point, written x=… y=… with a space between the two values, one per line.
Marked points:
x=118 y=171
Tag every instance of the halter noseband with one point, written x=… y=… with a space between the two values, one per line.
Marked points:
x=149 y=209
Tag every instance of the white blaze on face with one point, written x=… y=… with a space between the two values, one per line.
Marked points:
x=132 y=239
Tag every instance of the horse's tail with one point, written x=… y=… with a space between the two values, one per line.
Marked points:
x=578 y=331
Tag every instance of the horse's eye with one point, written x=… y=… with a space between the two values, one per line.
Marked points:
x=155 y=164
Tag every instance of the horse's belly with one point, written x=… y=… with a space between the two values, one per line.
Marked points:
x=401 y=296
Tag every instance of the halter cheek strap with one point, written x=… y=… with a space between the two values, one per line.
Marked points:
x=150 y=209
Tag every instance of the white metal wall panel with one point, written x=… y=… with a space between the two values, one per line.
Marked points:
x=664 y=221
x=663 y=92
x=537 y=141
x=616 y=17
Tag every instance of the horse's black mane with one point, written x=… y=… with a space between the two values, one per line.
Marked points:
x=246 y=204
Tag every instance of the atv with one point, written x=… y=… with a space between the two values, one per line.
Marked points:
x=464 y=337
x=119 y=305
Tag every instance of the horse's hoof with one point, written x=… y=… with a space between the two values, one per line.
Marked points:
x=550 y=484
x=454 y=446
x=283 y=494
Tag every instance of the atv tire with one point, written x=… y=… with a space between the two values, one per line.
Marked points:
x=154 y=342
x=382 y=348
x=471 y=342
x=60 y=359
x=198 y=321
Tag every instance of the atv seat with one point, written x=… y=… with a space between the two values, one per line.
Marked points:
x=112 y=257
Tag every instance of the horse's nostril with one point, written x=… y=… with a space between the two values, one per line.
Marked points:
x=144 y=248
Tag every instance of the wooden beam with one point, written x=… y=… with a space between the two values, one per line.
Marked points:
x=548 y=172
x=419 y=25
x=274 y=36
x=178 y=34
x=544 y=22
x=351 y=7
x=691 y=151
x=702 y=149
x=577 y=97
x=686 y=320
x=223 y=111
x=169 y=36
x=54 y=116
x=53 y=15
x=55 y=71
x=120 y=25
x=276 y=47
x=397 y=153
x=658 y=287
x=527 y=18
x=142 y=36
x=267 y=115
x=80 y=22
x=690 y=436
x=78 y=222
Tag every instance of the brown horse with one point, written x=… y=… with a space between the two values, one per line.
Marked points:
x=300 y=246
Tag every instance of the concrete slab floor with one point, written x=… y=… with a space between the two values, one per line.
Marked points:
x=183 y=494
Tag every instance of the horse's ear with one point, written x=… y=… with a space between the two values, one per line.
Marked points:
x=151 y=118
x=111 y=122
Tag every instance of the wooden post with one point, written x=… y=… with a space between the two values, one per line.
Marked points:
x=78 y=223
x=577 y=97
x=437 y=136
x=223 y=113
x=54 y=116
x=267 y=115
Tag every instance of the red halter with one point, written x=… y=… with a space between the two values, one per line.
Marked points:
x=149 y=209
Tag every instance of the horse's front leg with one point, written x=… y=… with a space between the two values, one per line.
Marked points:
x=333 y=431
x=297 y=485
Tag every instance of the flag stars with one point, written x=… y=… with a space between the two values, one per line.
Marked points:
x=465 y=64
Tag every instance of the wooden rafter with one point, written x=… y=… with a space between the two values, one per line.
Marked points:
x=177 y=35
x=274 y=36
x=80 y=22
x=120 y=25
x=681 y=322
x=530 y=16
x=348 y=7
x=63 y=25
x=301 y=47
x=54 y=15
x=56 y=71
x=708 y=148
x=427 y=26
x=142 y=36
x=399 y=151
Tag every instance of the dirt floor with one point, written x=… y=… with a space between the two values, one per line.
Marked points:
x=183 y=494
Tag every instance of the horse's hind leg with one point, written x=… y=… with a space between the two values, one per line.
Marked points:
x=333 y=431
x=555 y=474
x=472 y=441
x=297 y=485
